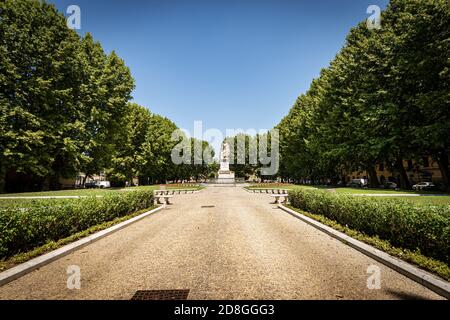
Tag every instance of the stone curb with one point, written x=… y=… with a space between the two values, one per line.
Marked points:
x=36 y=263
x=424 y=278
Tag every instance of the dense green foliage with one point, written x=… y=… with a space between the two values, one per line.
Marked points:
x=251 y=153
x=144 y=150
x=403 y=224
x=61 y=97
x=23 y=229
x=64 y=107
x=240 y=162
x=383 y=99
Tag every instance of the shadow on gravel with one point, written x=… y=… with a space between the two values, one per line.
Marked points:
x=405 y=296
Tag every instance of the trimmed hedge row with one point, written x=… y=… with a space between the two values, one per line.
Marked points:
x=23 y=229
x=418 y=228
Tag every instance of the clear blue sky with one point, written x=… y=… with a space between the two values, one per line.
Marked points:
x=231 y=64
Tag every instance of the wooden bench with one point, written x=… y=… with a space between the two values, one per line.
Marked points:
x=278 y=197
x=163 y=196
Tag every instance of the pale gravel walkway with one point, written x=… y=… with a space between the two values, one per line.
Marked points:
x=244 y=248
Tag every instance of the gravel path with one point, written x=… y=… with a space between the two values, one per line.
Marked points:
x=242 y=248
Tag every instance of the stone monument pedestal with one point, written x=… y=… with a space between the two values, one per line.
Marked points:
x=226 y=177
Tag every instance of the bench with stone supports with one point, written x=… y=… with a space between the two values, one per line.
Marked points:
x=162 y=196
x=167 y=194
x=164 y=192
x=280 y=198
x=270 y=191
x=173 y=192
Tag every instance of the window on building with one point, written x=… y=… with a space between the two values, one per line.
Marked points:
x=426 y=162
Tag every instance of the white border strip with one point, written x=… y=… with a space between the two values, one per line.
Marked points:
x=29 y=266
x=426 y=279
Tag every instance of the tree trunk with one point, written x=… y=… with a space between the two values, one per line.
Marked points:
x=404 y=180
x=442 y=158
x=54 y=182
x=2 y=179
x=2 y=184
x=373 y=178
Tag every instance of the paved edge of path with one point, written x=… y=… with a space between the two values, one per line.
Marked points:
x=424 y=278
x=36 y=263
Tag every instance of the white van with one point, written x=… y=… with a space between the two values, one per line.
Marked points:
x=103 y=184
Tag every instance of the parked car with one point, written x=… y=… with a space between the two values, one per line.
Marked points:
x=358 y=183
x=424 y=186
x=104 y=184
x=91 y=185
x=390 y=185
x=97 y=184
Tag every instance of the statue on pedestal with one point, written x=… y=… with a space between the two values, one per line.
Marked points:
x=225 y=175
x=225 y=157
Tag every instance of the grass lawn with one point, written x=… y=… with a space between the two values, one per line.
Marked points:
x=91 y=192
x=342 y=190
x=379 y=191
x=25 y=203
x=423 y=201
x=170 y=187
x=61 y=193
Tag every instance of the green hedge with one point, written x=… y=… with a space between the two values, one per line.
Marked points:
x=418 y=228
x=22 y=229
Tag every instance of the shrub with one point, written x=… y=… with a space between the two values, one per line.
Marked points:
x=22 y=229
x=418 y=228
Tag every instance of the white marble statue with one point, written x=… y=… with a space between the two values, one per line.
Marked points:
x=225 y=157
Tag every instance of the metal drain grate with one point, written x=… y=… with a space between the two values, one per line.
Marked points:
x=161 y=295
x=205 y=207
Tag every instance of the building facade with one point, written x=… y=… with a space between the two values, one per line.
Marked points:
x=426 y=171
